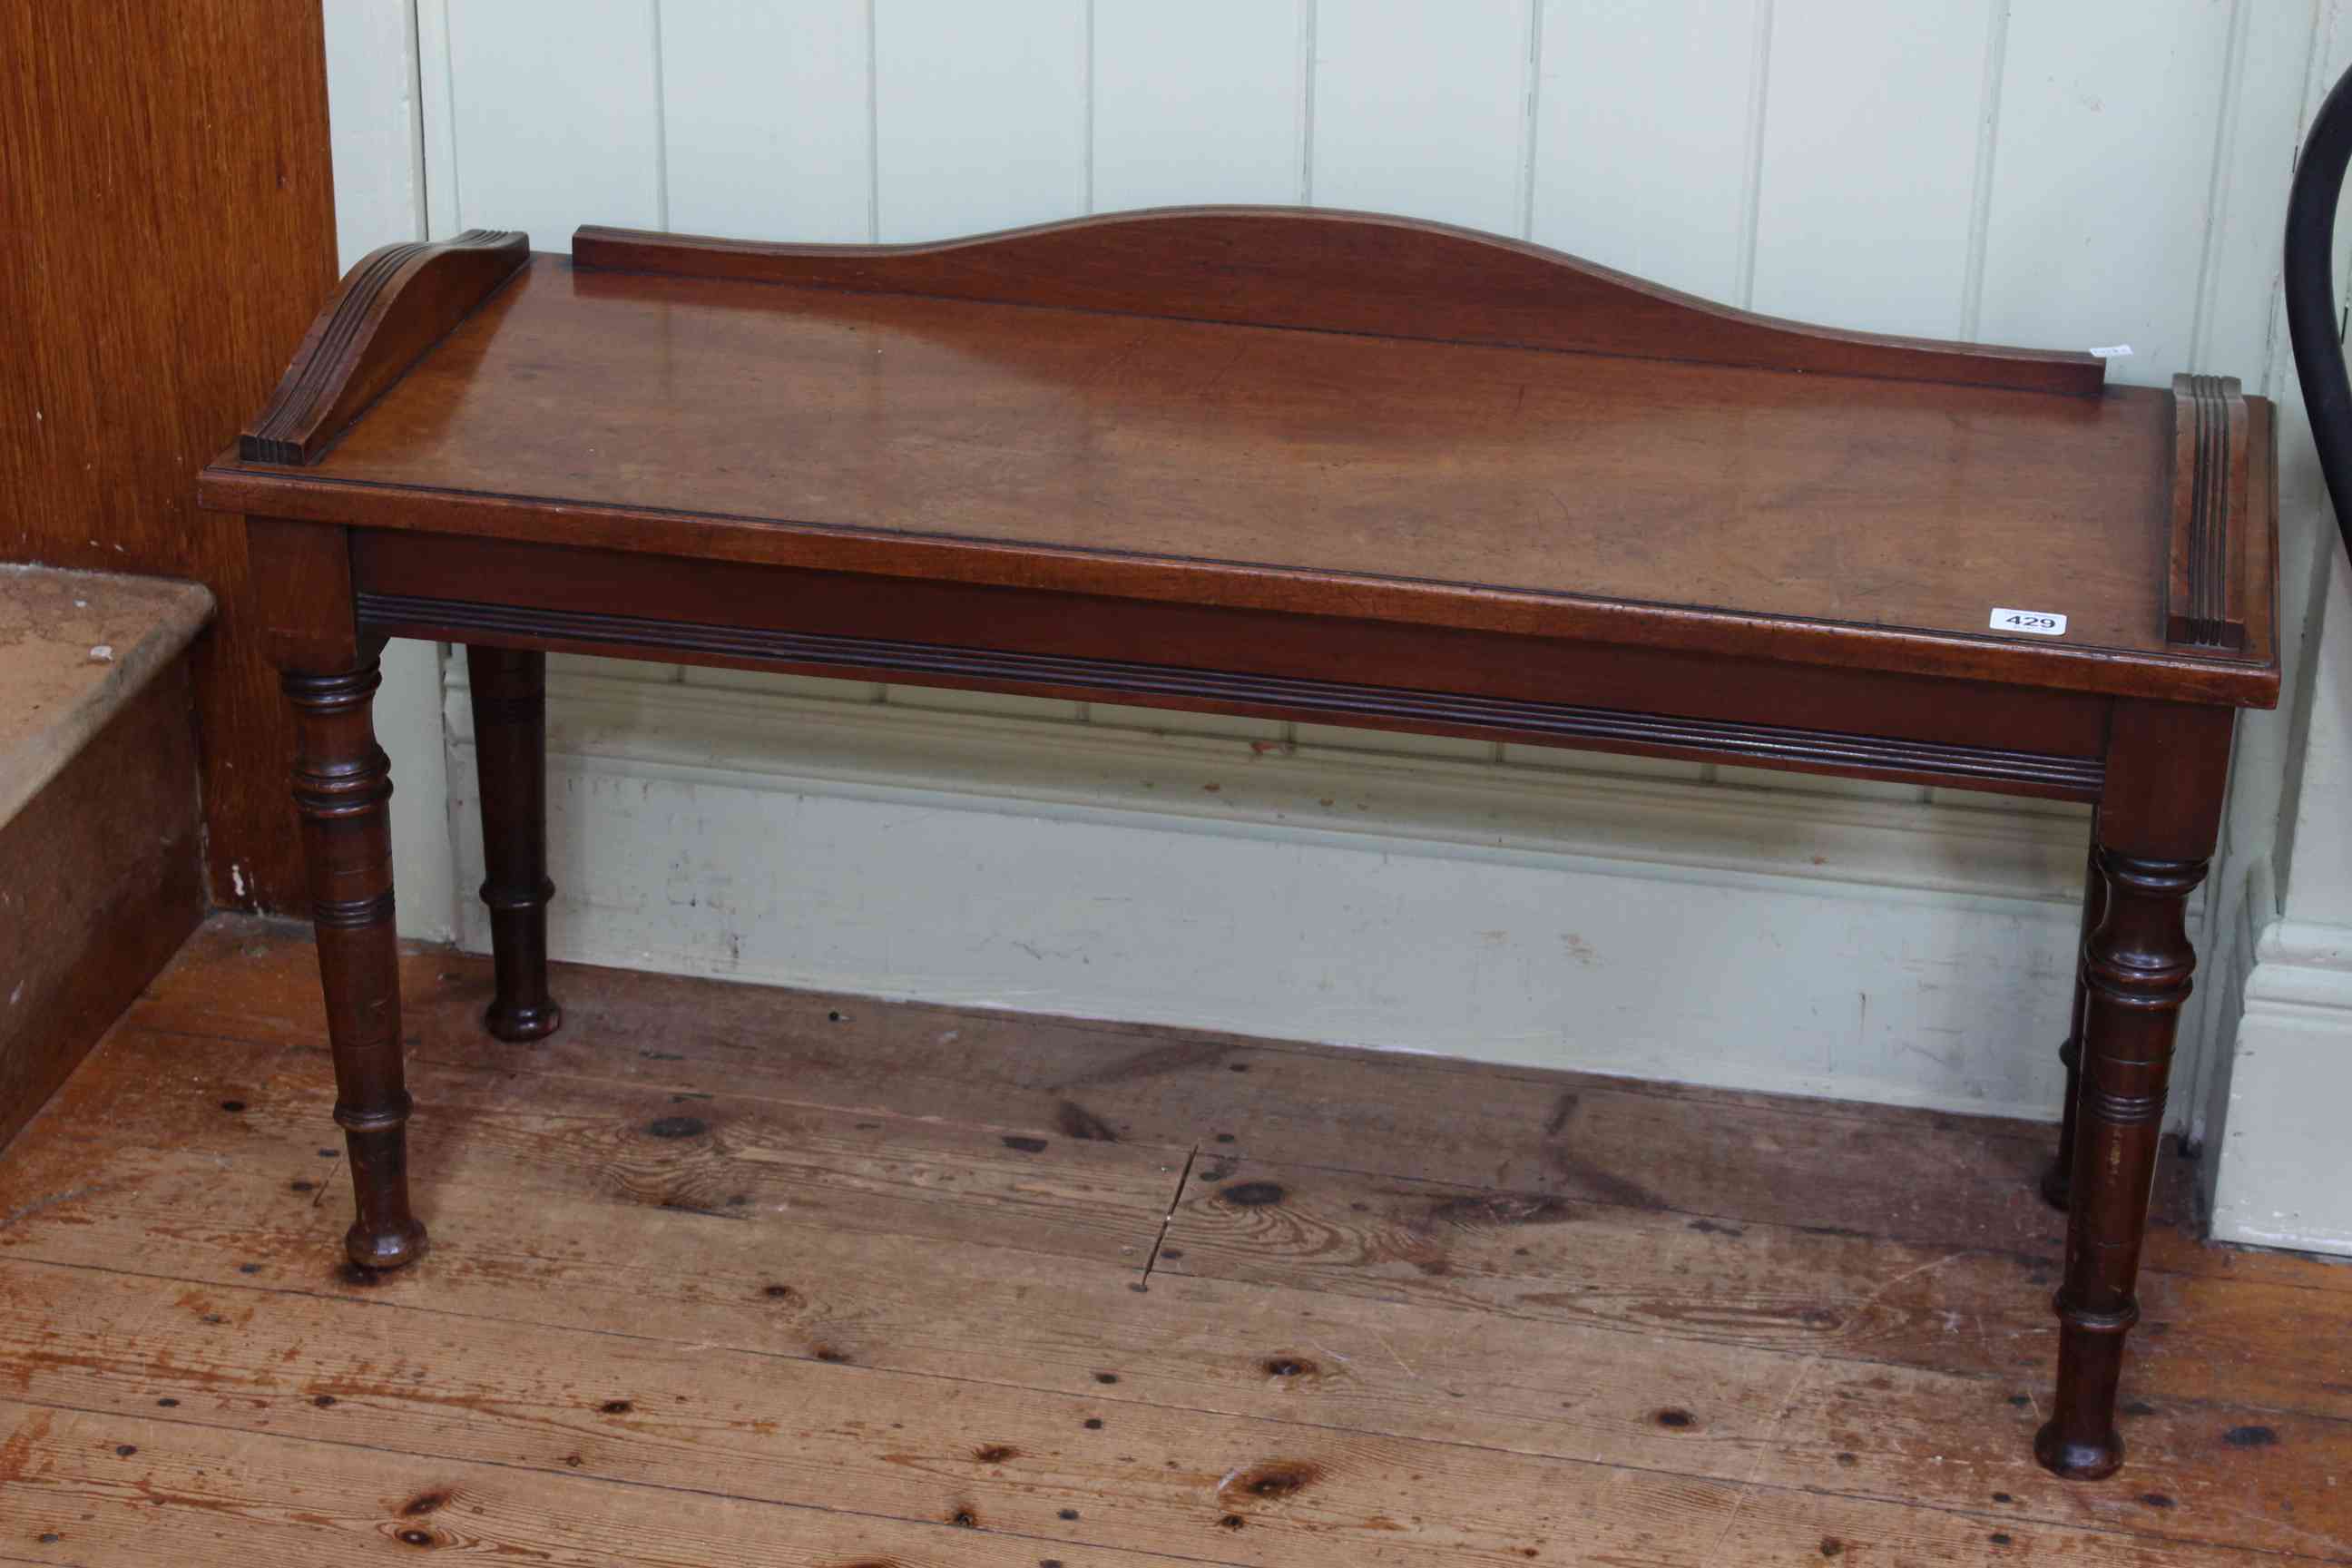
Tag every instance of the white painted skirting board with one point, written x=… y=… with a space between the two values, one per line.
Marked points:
x=2286 y=1176
x=1892 y=950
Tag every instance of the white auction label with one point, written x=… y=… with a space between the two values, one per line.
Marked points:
x=2040 y=623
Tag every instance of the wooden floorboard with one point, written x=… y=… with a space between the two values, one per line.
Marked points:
x=916 y=1285
x=1916 y=1175
x=1980 y=1312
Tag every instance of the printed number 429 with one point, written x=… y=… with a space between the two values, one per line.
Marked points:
x=2040 y=623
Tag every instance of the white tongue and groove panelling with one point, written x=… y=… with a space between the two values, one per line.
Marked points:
x=2027 y=170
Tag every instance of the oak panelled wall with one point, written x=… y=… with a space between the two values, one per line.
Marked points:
x=164 y=182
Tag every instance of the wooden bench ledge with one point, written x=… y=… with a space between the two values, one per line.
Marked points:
x=58 y=688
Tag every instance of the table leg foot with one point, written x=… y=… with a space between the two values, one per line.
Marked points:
x=521 y=1021
x=2076 y=1461
x=510 y=699
x=385 y=1234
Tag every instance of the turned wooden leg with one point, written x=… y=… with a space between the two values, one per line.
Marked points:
x=2136 y=969
x=510 y=691
x=2058 y=1181
x=341 y=786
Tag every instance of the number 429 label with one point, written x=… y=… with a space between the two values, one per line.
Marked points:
x=2039 y=623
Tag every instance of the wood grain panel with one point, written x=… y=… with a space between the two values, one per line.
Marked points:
x=164 y=179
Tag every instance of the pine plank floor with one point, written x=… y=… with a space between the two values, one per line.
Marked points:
x=725 y=1275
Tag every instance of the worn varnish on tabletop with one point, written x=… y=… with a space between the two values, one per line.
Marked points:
x=1312 y=466
x=1832 y=498
x=1460 y=483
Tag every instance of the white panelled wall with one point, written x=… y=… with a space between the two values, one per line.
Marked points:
x=2058 y=173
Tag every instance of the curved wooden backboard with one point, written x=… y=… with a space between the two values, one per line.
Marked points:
x=1338 y=271
x=391 y=307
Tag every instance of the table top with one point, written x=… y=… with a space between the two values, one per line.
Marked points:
x=1489 y=484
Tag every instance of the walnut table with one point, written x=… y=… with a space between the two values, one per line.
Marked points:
x=1298 y=464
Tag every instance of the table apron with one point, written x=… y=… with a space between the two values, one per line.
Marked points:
x=1846 y=722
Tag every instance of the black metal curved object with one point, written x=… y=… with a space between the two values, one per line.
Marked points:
x=2310 y=310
